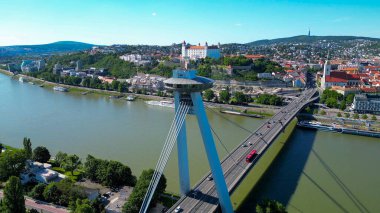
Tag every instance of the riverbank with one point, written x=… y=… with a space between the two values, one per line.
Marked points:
x=255 y=109
x=241 y=195
x=6 y=72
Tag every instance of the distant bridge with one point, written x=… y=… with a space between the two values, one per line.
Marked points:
x=203 y=197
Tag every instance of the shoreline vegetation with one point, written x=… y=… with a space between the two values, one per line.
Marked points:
x=258 y=109
x=242 y=192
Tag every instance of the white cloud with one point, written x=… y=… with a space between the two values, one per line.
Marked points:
x=154 y=14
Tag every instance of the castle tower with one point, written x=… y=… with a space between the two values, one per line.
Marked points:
x=187 y=88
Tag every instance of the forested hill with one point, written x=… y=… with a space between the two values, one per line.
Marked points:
x=41 y=49
x=308 y=39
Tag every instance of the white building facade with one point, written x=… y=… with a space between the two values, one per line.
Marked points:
x=197 y=52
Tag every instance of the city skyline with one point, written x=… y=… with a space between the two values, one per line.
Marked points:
x=164 y=23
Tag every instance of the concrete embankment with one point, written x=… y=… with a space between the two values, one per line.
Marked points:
x=241 y=193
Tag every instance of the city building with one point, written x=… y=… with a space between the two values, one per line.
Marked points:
x=32 y=65
x=137 y=59
x=197 y=52
x=364 y=103
x=338 y=78
x=147 y=82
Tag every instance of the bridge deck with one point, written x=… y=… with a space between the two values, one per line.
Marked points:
x=234 y=166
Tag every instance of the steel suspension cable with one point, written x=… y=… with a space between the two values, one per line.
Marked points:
x=165 y=148
x=165 y=154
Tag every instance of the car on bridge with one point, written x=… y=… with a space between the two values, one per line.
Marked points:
x=250 y=156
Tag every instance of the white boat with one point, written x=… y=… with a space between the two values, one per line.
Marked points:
x=21 y=79
x=169 y=104
x=131 y=98
x=60 y=89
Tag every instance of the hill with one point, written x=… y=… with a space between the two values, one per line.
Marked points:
x=308 y=39
x=43 y=49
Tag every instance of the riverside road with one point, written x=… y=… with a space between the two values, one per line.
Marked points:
x=203 y=198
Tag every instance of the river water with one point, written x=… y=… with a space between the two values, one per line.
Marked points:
x=316 y=171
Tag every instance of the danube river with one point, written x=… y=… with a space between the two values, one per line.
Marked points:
x=316 y=171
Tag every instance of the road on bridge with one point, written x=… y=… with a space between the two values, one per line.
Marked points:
x=204 y=198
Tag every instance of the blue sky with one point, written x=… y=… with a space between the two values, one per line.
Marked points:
x=164 y=22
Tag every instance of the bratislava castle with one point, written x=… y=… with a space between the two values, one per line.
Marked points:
x=196 y=52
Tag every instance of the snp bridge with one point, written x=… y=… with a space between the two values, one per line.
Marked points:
x=204 y=197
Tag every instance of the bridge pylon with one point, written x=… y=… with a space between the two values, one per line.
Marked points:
x=187 y=88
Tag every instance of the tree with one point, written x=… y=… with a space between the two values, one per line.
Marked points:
x=81 y=206
x=13 y=200
x=52 y=193
x=71 y=163
x=33 y=211
x=373 y=118
x=240 y=98
x=137 y=196
x=356 y=116
x=224 y=96
x=342 y=105
x=339 y=114
x=270 y=206
x=27 y=148
x=209 y=95
x=12 y=164
x=90 y=168
x=60 y=157
x=38 y=191
x=41 y=154
x=346 y=115
x=364 y=116
x=323 y=112
x=118 y=175
x=1 y=148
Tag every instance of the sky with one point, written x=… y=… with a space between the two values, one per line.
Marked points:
x=163 y=22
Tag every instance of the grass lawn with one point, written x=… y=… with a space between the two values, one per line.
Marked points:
x=78 y=174
x=239 y=196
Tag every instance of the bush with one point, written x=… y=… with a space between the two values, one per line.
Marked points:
x=364 y=116
x=339 y=114
x=323 y=112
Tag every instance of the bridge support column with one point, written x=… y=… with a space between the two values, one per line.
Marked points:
x=183 y=160
x=212 y=154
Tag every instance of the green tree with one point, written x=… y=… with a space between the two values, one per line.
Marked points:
x=52 y=193
x=137 y=196
x=350 y=98
x=209 y=95
x=323 y=112
x=346 y=115
x=240 y=97
x=12 y=164
x=60 y=157
x=270 y=206
x=27 y=148
x=81 y=206
x=342 y=105
x=315 y=111
x=41 y=154
x=118 y=174
x=71 y=163
x=224 y=96
x=364 y=116
x=339 y=114
x=373 y=118
x=38 y=191
x=356 y=116
x=91 y=167
x=33 y=211
x=13 y=201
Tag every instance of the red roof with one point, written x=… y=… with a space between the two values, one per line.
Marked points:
x=371 y=89
x=254 y=56
x=337 y=76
